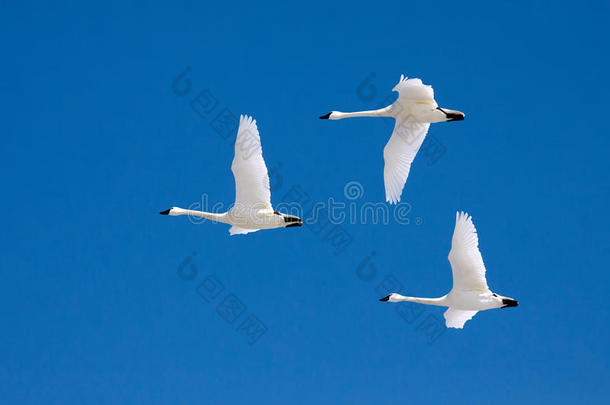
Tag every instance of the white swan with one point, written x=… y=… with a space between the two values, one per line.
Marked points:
x=252 y=210
x=414 y=110
x=470 y=293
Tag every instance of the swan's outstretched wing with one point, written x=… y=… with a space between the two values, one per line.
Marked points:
x=399 y=153
x=456 y=318
x=465 y=257
x=413 y=90
x=249 y=169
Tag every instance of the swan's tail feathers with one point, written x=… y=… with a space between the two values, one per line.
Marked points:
x=236 y=230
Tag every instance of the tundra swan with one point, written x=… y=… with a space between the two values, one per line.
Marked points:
x=252 y=210
x=470 y=293
x=414 y=111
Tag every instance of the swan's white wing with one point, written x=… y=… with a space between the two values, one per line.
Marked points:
x=407 y=137
x=249 y=169
x=399 y=153
x=465 y=257
x=236 y=230
x=413 y=90
x=456 y=318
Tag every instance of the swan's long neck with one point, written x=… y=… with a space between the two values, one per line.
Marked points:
x=382 y=112
x=207 y=215
x=427 y=301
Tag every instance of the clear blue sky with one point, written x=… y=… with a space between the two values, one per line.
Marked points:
x=102 y=300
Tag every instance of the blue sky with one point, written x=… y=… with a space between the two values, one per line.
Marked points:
x=105 y=301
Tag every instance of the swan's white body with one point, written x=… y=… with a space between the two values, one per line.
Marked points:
x=470 y=293
x=252 y=210
x=414 y=111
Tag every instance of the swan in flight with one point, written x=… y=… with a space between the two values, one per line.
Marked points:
x=252 y=210
x=470 y=293
x=414 y=111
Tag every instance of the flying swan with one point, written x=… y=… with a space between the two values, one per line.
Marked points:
x=413 y=111
x=252 y=210
x=470 y=293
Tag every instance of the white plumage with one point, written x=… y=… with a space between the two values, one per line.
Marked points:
x=398 y=155
x=465 y=258
x=413 y=111
x=252 y=209
x=249 y=169
x=470 y=293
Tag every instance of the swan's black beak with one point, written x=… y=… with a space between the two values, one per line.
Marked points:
x=292 y=221
x=325 y=117
x=166 y=212
x=455 y=117
x=385 y=298
x=506 y=302
x=452 y=115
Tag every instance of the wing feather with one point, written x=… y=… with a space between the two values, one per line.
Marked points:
x=251 y=177
x=399 y=153
x=236 y=230
x=456 y=318
x=465 y=258
x=413 y=90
